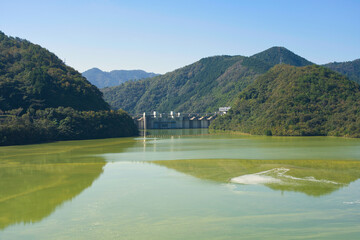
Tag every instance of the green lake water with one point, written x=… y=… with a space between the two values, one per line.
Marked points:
x=182 y=184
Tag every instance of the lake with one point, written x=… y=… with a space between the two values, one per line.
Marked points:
x=182 y=184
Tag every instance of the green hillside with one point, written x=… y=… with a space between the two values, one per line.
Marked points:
x=42 y=99
x=289 y=100
x=127 y=95
x=350 y=69
x=201 y=87
x=31 y=76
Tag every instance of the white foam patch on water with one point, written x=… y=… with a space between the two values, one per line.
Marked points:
x=309 y=179
x=254 y=179
x=276 y=175
x=351 y=203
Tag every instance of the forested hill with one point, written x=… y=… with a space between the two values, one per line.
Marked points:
x=351 y=69
x=289 y=100
x=33 y=77
x=103 y=79
x=42 y=99
x=203 y=86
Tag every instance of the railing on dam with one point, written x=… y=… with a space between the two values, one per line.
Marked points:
x=174 y=120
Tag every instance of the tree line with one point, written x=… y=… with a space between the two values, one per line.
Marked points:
x=53 y=124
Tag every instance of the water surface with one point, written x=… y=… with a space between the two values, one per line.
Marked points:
x=182 y=185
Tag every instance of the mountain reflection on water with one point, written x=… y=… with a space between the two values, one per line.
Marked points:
x=312 y=177
x=36 y=179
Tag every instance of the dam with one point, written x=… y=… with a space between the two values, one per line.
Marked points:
x=174 y=120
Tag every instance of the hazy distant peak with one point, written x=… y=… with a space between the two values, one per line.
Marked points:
x=94 y=70
x=103 y=79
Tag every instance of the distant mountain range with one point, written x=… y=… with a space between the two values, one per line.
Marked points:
x=209 y=83
x=274 y=92
x=103 y=79
x=203 y=86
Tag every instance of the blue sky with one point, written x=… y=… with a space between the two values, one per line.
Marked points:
x=160 y=36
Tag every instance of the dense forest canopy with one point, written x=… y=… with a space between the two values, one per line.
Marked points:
x=295 y=101
x=54 y=124
x=42 y=99
x=31 y=76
